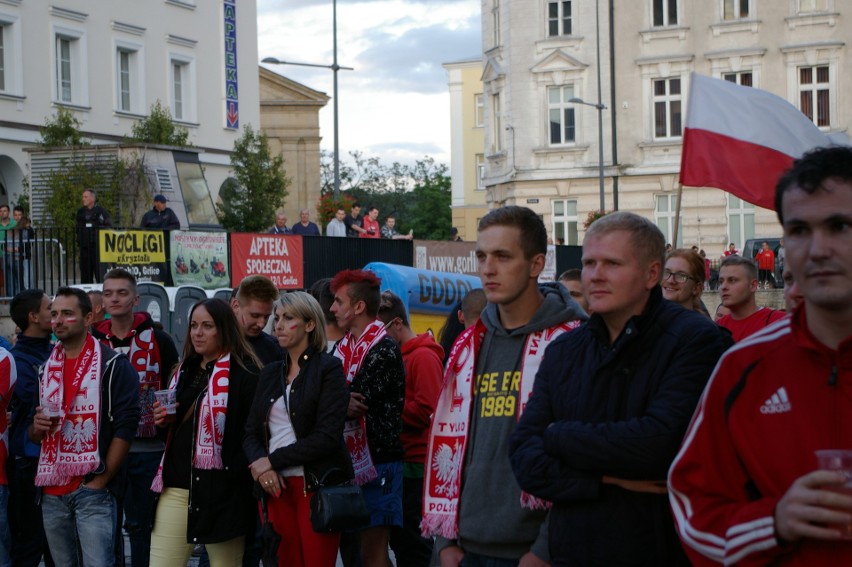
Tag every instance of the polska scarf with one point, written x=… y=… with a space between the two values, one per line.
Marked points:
x=71 y=449
x=144 y=355
x=352 y=352
x=210 y=429
x=451 y=424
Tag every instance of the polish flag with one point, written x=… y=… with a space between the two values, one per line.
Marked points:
x=741 y=139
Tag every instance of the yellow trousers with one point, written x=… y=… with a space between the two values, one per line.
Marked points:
x=168 y=540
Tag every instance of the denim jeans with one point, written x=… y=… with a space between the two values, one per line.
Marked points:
x=85 y=516
x=5 y=533
x=477 y=560
x=138 y=504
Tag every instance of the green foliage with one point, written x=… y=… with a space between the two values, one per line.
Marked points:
x=24 y=197
x=62 y=129
x=592 y=217
x=158 y=128
x=417 y=195
x=328 y=205
x=249 y=204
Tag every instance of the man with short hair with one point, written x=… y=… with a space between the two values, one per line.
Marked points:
x=471 y=500
x=731 y=251
x=280 y=226
x=424 y=370
x=611 y=403
x=737 y=288
x=89 y=219
x=153 y=355
x=765 y=259
x=370 y=224
x=253 y=303
x=745 y=487
x=96 y=296
x=472 y=305
x=573 y=282
x=373 y=365
x=30 y=310
x=792 y=295
x=161 y=217
x=305 y=227
x=336 y=226
x=389 y=232
x=96 y=393
x=353 y=223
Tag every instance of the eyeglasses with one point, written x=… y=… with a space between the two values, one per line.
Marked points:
x=679 y=277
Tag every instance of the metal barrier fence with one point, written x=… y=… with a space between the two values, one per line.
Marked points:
x=38 y=258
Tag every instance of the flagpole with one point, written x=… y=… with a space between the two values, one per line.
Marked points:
x=677 y=214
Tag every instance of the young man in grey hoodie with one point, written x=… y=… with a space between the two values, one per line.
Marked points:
x=472 y=501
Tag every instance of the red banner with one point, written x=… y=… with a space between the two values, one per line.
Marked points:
x=278 y=257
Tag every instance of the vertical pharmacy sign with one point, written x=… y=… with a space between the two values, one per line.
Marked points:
x=232 y=103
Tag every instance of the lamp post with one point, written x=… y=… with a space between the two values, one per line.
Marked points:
x=335 y=68
x=600 y=107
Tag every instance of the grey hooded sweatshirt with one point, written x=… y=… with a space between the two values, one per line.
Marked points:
x=491 y=520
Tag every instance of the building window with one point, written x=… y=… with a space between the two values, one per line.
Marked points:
x=479 y=110
x=182 y=88
x=665 y=12
x=740 y=220
x=667 y=108
x=745 y=78
x=558 y=18
x=125 y=61
x=561 y=115
x=63 y=69
x=480 y=172
x=664 y=215
x=565 y=222
x=495 y=23
x=178 y=94
x=808 y=6
x=815 y=94
x=496 y=124
x=735 y=9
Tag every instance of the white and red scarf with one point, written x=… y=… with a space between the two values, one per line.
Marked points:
x=210 y=428
x=451 y=424
x=144 y=355
x=71 y=449
x=352 y=352
x=8 y=377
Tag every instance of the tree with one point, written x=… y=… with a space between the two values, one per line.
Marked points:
x=260 y=187
x=62 y=129
x=159 y=128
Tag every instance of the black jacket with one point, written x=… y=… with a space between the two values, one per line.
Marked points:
x=318 y=402
x=221 y=506
x=165 y=219
x=621 y=410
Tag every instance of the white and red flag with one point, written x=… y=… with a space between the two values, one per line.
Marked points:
x=741 y=139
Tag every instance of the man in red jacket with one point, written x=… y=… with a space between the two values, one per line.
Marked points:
x=766 y=266
x=745 y=488
x=423 y=375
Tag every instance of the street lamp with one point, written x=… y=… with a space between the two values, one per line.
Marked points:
x=335 y=68
x=600 y=107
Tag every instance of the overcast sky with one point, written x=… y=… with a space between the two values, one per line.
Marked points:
x=395 y=104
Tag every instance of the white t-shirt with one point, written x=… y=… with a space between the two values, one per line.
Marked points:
x=281 y=433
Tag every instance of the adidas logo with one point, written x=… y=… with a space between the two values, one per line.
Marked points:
x=778 y=403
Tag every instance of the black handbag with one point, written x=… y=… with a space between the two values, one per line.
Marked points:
x=270 y=539
x=338 y=508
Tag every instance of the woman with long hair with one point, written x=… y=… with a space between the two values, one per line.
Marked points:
x=294 y=435
x=683 y=279
x=204 y=483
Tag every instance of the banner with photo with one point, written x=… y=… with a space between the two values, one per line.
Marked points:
x=278 y=257
x=200 y=258
x=140 y=252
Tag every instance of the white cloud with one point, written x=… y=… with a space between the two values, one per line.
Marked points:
x=395 y=103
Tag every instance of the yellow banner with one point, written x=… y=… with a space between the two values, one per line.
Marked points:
x=132 y=246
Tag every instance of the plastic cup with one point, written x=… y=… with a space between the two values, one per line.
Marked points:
x=50 y=408
x=839 y=460
x=167 y=399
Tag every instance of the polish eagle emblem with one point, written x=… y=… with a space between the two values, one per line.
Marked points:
x=446 y=463
x=78 y=433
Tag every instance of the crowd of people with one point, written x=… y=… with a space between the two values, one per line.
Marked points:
x=605 y=419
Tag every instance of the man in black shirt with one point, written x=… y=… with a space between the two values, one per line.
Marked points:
x=352 y=222
x=90 y=217
x=253 y=303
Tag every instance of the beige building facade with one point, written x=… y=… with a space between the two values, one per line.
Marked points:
x=467 y=151
x=541 y=149
x=289 y=115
